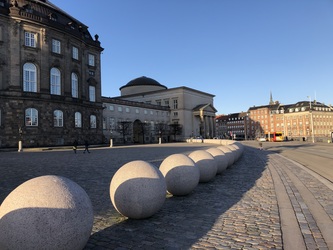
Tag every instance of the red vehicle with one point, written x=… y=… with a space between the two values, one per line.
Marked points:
x=274 y=136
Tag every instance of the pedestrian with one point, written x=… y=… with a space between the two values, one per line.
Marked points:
x=75 y=146
x=86 y=145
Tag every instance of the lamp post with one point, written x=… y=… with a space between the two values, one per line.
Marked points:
x=311 y=117
x=111 y=139
x=160 y=137
x=20 y=148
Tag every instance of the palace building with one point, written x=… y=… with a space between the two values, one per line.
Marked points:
x=156 y=111
x=50 y=77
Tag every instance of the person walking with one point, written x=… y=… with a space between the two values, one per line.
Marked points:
x=75 y=146
x=86 y=147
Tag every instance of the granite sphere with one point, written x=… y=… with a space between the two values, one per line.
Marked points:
x=238 y=149
x=206 y=163
x=138 y=190
x=220 y=158
x=234 y=150
x=181 y=174
x=47 y=212
x=230 y=155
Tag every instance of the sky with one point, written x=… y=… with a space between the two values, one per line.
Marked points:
x=238 y=50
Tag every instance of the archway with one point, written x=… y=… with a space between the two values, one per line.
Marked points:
x=137 y=132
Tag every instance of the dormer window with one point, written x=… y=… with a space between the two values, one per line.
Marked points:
x=53 y=17
x=72 y=25
x=28 y=8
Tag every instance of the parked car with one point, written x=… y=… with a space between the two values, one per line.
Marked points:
x=261 y=139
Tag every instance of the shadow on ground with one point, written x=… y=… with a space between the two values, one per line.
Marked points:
x=183 y=221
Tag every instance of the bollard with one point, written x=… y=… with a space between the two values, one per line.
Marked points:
x=111 y=143
x=20 y=149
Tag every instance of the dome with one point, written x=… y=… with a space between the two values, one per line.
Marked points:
x=141 y=85
x=143 y=81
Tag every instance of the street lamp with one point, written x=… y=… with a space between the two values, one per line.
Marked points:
x=311 y=117
x=111 y=139
x=20 y=140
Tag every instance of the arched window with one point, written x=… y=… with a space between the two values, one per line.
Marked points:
x=55 y=83
x=75 y=85
x=92 y=121
x=78 y=120
x=29 y=77
x=31 y=117
x=58 y=118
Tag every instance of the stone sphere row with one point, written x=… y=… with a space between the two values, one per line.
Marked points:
x=138 y=189
x=53 y=212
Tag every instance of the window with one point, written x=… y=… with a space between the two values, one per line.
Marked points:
x=111 y=108
x=29 y=77
x=91 y=60
x=127 y=110
x=78 y=120
x=30 y=39
x=55 y=82
x=92 y=121
x=75 y=85
x=120 y=109
x=31 y=117
x=58 y=118
x=75 y=53
x=166 y=103
x=137 y=111
x=175 y=104
x=159 y=102
x=56 y=46
x=112 y=123
x=92 y=96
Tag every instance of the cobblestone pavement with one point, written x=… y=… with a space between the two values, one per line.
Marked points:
x=237 y=210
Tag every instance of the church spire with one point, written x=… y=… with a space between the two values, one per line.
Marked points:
x=271 y=102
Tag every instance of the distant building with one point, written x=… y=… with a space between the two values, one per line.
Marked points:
x=304 y=120
x=50 y=76
x=135 y=122
x=177 y=113
x=233 y=126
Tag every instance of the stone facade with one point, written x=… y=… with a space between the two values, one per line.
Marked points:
x=49 y=64
x=153 y=118
x=192 y=109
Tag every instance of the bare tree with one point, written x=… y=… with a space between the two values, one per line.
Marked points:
x=162 y=129
x=125 y=129
x=175 y=129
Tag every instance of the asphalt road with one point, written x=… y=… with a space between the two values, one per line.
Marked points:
x=316 y=156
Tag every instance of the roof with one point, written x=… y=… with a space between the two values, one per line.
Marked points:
x=204 y=107
x=143 y=81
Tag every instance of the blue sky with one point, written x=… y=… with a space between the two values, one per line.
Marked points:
x=238 y=50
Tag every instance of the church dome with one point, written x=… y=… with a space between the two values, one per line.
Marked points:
x=141 y=85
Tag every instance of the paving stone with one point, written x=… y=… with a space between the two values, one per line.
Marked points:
x=236 y=210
